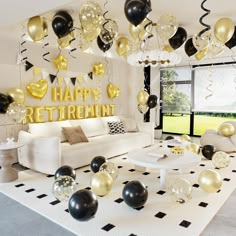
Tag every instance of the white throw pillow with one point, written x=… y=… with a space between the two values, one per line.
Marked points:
x=129 y=124
x=48 y=129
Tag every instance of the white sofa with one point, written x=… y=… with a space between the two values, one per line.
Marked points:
x=45 y=151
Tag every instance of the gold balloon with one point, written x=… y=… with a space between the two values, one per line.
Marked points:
x=185 y=137
x=37 y=28
x=139 y=33
x=142 y=97
x=181 y=190
x=112 y=90
x=122 y=46
x=220 y=159
x=224 y=29
x=109 y=31
x=39 y=89
x=167 y=48
x=193 y=147
x=202 y=41
x=210 y=181
x=61 y=62
x=17 y=94
x=201 y=54
x=66 y=40
x=143 y=108
x=227 y=129
x=63 y=188
x=101 y=183
x=89 y=36
x=99 y=69
x=110 y=168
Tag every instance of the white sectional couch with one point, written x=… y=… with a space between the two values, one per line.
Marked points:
x=45 y=150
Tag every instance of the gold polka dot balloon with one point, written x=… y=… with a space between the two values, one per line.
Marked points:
x=110 y=168
x=63 y=188
x=221 y=159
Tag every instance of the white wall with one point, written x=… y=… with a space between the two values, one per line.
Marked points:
x=128 y=79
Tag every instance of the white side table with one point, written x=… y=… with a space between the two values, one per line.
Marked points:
x=7 y=173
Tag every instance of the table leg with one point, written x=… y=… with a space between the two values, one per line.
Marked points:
x=140 y=168
x=163 y=173
x=7 y=173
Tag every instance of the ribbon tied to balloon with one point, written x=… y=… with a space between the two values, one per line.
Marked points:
x=99 y=69
x=38 y=89
x=112 y=91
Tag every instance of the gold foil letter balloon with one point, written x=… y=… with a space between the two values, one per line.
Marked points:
x=227 y=129
x=142 y=97
x=221 y=159
x=101 y=183
x=61 y=62
x=224 y=29
x=210 y=181
x=37 y=28
x=17 y=94
x=112 y=90
x=38 y=89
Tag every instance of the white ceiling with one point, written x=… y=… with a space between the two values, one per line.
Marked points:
x=15 y=13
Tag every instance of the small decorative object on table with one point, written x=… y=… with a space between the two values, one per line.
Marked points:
x=177 y=150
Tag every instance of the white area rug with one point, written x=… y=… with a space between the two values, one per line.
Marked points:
x=159 y=216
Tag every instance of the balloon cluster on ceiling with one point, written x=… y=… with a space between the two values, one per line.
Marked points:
x=95 y=26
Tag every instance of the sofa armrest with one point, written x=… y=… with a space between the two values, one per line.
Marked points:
x=147 y=127
x=42 y=154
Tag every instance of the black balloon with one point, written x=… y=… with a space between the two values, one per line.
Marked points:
x=62 y=24
x=5 y=101
x=178 y=39
x=232 y=42
x=96 y=163
x=135 y=194
x=83 y=205
x=65 y=171
x=103 y=46
x=208 y=151
x=152 y=101
x=137 y=10
x=169 y=138
x=189 y=47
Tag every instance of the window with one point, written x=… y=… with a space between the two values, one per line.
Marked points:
x=176 y=100
x=199 y=99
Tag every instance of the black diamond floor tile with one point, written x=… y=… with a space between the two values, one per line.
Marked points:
x=108 y=227
x=185 y=224
x=146 y=173
x=226 y=179
x=87 y=171
x=19 y=185
x=55 y=202
x=119 y=200
x=30 y=190
x=42 y=196
x=203 y=204
x=195 y=185
x=131 y=170
x=139 y=208
x=160 y=215
x=161 y=192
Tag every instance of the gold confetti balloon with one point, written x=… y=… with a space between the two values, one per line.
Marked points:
x=17 y=94
x=180 y=190
x=193 y=147
x=110 y=168
x=220 y=159
x=210 y=181
x=63 y=188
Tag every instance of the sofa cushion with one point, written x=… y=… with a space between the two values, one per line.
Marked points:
x=48 y=129
x=130 y=124
x=116 y=127
x=109 y=118
x=91 y=126
x=74 y=134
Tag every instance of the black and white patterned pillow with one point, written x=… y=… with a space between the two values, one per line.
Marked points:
x=116 y=127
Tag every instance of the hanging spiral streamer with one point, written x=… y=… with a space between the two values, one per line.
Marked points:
x=150 y=23
x=207 y=27
x=73 y=49
x=209 y=86
x=107 y=20
x=23 y=48
x=47 y=53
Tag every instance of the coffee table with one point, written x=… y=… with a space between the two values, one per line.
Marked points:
x=7 y=173
x=151 y=158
